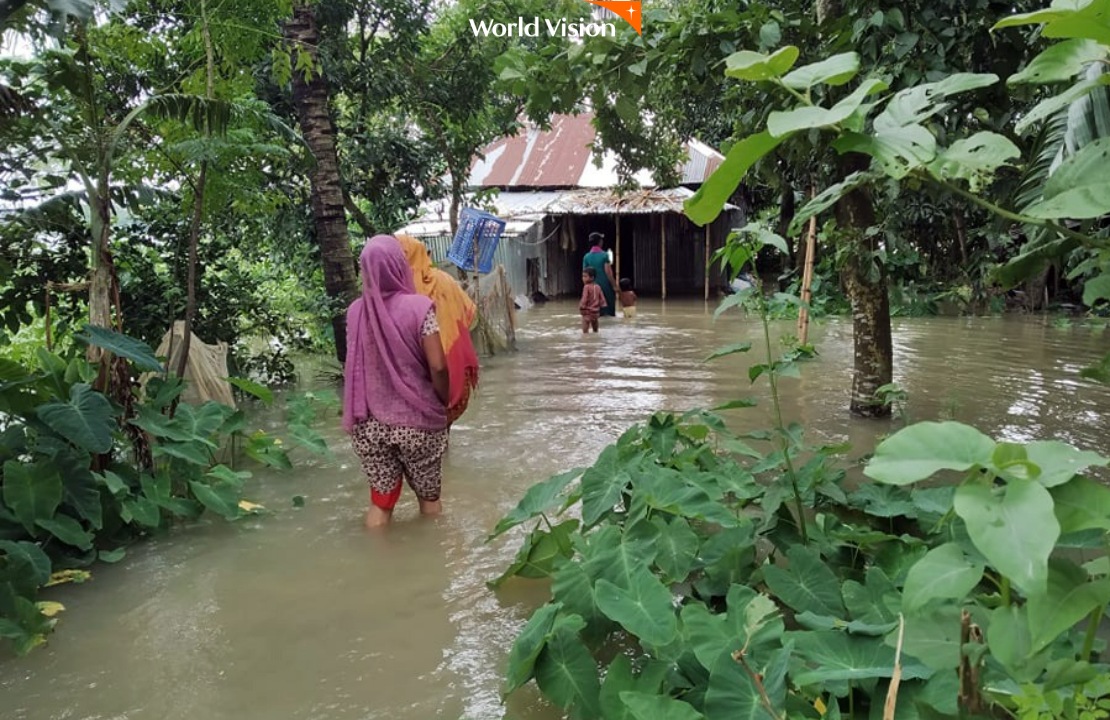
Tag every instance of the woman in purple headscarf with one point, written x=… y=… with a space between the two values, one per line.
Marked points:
x=395 y=383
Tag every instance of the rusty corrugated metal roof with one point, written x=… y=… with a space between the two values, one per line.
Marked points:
x=562 y=158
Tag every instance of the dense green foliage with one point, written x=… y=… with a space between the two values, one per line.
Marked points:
x=716 y=575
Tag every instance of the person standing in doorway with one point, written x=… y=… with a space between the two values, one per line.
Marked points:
x=592 y=302
x=396 y=386
x=628 y=299
x=598 y=260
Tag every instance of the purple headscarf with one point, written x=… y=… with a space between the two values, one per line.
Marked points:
x=386 y=374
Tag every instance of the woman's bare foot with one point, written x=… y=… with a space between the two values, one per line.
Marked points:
x=376 y=517
x=431 y=507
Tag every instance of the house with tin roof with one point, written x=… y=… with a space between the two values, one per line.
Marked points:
x=553 y=192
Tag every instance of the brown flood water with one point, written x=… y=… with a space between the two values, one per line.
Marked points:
x=302 y=615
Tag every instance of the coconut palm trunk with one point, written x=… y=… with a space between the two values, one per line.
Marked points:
x=311 y=98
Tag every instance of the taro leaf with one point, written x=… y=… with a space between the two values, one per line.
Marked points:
x=309 y=439
x=1069 y=599
x=835 y=70
x=619 y=679
x=875 y=602
x=201 y=423
x=1066 y=671
x=829 y=197
x=748 y=65
x=899 y=151
x=86 y=420
x=1011 y=643
x=754 y=619
x=219 y=497
x=644 y=609
x=710 y=198
x=567 y=674
x=830 y=655
x=1060 y=62
x=706 y=634
x=669 y=493
x=137 y=351
x=945 y=572
x=528 y=645
x=602 y=485
x=539 y=499
x=916 y=452
x=142 y=511
x=539 y=552
x=1095 y=289
x=68 y=531
x=1015 y=529
x=933 y=501
x=653 y=706
x=823 y=622
x=1081 y=504
x=191 y=452
x=1050 y=107
x=32 y=491
x=159 y=425
x=27 y=627
x=807 y=584
x=263 y=393
x=732 y=694
x=571 y=586
x=974 y=159
x=728 y=558
x=885 y=501
x=111 y=556
x=615 y=558
x=27 y=568
x=806 y=117
x=1060 y=462
x=1080 y=187
x=895 y=559
x=740 y=347
x=677 y=548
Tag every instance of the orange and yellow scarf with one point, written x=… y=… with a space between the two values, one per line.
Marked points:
x=456 y=313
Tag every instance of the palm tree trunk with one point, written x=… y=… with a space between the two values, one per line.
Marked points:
x=310 y=96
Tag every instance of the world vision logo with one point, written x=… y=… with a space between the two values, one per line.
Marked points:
x=628 y=9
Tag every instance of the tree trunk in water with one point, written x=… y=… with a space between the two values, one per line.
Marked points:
x=310 y=97
x=103 y=274
x=866 y=282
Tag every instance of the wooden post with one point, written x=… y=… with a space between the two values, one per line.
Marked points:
x=707 y=228
x=807 y=278
x=618 y=250
x=663 y=252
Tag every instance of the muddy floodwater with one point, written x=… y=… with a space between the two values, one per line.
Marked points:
x=301 y=614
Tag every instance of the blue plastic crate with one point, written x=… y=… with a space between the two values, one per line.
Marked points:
x=480 y=226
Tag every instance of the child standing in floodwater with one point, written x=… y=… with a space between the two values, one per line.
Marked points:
x=628 y=299
x=593 y=300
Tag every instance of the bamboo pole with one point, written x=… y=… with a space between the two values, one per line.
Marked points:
x=663 y=252
x=707 y=227
x=807 y=278
x=618 y=244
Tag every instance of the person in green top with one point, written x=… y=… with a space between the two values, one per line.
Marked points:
x=598 y=259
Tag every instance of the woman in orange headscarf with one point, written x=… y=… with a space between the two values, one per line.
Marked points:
x=456 y=313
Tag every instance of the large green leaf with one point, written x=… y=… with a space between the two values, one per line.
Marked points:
x=1068 y=19
x=572 y=586
x=807 y=584
x=68 y=531
x=652 y=706
x=219 y=497
x=899 y=150
x=567 y=674
x=1081 y=504
x=602 y=485
x=783 y=124
x=28 y=567
x=916 y=104
x=1011 y=643
x=32 y=491
x=540 y=552
x=945 y=572
x=1070 y=598
x=677 y=548
x=874 y=602
x=829 y=197
x=616 y=557
x=528 y=645
x=710 y=198
x=134 y=350
x=620 y=679
x=916 y=452
x=974 y=159
x=539 y=498
x=1080 y=187
x=1049 y=107
x=727 y=557
x=644 y=609
x=142 y=511
x=263 y=393
x=1060 y=462
x=732 y=694
x=86 y=420
x=831 y=655
x=932 y=636
x=1014 y=527
x=749 y=65
x=1060 y=62
x=835 y=70
x=707 y=634
x=671 y=493
x=1095 y=289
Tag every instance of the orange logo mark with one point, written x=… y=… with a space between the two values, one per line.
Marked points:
x=628 y=9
